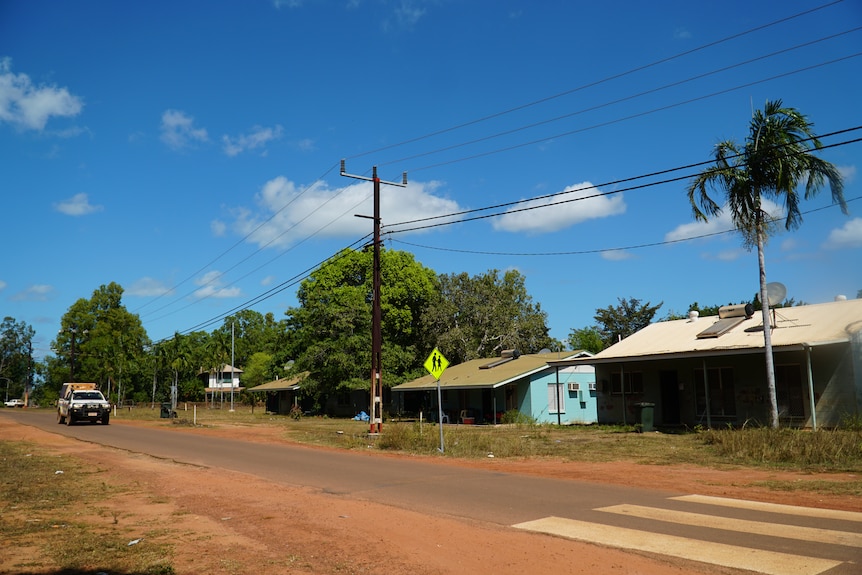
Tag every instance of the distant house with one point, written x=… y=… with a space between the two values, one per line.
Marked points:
x=481 y=390
x=221 y=380
x=281 y=395
x=711 y=371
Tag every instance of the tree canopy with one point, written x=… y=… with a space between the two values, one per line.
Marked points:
x=479 y=316
x=620 y=321
x=15 y=356
x=331 y=327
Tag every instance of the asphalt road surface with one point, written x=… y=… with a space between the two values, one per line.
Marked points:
x=764 y=538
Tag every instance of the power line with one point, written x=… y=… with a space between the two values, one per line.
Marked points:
x=598 y=250
x=599 y=82
x=335 y=257
x=580 y=189
x=231 y=248
x=617 y=101
x=633 y=116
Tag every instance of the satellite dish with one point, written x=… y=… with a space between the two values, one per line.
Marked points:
x=775 y=293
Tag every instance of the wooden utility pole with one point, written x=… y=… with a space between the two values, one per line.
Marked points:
x=376 y=405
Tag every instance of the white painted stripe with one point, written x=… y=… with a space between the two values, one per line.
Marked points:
x=773 y=507
x=739 y=525
x=756 y=560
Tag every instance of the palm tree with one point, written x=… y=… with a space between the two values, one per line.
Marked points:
x=774 y=161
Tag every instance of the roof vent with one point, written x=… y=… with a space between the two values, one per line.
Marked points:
x=693 y=315
x=841 y=297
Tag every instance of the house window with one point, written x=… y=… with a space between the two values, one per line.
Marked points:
x=634 y=381
x=788 y=391
x=556 y=398
x=722 y=396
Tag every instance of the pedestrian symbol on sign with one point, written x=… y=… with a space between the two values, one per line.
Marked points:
x=436 y=364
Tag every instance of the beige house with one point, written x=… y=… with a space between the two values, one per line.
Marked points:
x=710 y=371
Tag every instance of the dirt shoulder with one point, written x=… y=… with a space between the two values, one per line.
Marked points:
x=222 y=522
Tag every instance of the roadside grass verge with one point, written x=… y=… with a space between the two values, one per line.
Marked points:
x=823 y=451
x=53 y=517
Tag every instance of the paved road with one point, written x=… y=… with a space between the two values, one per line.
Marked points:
x=779 y=540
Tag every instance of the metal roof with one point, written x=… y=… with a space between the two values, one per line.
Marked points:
x=283 y=384
x=478 y=373
x=795 y=328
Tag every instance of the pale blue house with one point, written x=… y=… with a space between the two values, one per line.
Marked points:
x=482 y=390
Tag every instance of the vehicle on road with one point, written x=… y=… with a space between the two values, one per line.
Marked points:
x=14 y=403
x=82 y=402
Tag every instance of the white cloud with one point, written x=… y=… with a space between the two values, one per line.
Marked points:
x=848 y=173
x=616 y=255
x=2 y=285
x=256 y=139
x=148 y=287
x=212 y=286
x=178 y=130
x=267 y=281
x=218 y=228
x=681 y=34
x=30 y=107
x=306 y=145
x=289 y=213
x=847 y=236
x=36 y=292
x=77 y=205
x=579 y=206
x=720 y=223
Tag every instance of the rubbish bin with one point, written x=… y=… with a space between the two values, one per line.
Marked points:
x=647 y=413
x=166 y=411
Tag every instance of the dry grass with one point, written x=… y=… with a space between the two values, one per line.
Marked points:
x=826 y=450
x=52 y=518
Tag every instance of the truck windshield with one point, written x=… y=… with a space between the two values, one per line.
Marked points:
x=88 y=395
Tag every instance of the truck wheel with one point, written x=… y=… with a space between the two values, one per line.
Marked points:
x=60 y=419
x=106 y=418
x=69 y=421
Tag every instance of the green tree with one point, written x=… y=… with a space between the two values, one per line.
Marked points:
x=100 y=341
x=586 y=338
x=617 y=322
x=16 y=339
x=773 y=162
x=479 y=316
x=331 y=327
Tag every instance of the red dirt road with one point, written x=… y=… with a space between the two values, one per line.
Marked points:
x=221 y=522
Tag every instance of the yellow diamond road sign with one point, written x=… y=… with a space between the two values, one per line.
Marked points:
x=436 y=364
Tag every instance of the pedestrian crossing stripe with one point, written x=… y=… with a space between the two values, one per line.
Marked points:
x=756 y=560
x=772 y=507
x=827 y=536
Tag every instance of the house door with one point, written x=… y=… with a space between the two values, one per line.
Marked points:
x=669 y=397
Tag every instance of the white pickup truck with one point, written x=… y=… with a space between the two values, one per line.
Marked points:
x=82 y=402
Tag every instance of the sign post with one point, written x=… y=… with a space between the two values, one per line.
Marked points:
x=436 y=364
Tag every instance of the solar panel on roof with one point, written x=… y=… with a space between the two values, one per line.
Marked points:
x=720 y=327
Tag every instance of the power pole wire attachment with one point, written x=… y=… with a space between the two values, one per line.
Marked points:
x=376 y=408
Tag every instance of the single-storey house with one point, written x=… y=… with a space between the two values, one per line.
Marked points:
x=481 y=390
x=281 y=395
x=711 y=371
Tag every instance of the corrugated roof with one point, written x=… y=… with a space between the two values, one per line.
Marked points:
x=283 y=384
x=475 y=375
x=795 y=327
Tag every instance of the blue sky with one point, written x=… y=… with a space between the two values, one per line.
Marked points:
x=189 y=151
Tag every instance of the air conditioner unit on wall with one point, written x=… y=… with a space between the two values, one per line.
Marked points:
x=573 y=387
x=592 y=386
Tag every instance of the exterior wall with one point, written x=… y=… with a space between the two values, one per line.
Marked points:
x=222 y=381
x=578 y=406
x=678 y=390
